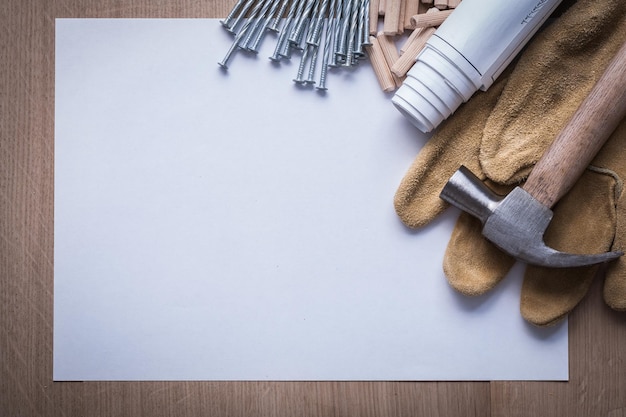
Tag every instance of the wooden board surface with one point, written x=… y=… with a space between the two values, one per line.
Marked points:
x=597 y=334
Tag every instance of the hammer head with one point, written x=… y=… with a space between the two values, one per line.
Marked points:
x=515 y=223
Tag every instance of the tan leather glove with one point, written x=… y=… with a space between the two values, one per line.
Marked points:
x=500 y=134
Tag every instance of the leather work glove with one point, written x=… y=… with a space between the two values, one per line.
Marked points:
x=500 y=134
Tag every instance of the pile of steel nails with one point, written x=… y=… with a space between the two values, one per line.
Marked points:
x=301 y=25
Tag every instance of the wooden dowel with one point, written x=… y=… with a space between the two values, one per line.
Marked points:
x=374 y=4
x=422 y=8
x=401 y=17
x=388 y=46
x=392 y=17
x=410 y=40
x=441 y=4
x=379 y=64
x=416 y=32
x=411 y=8
x=407 y=59
x=426 y=20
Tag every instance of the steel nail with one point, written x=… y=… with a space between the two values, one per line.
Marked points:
x=273 y=26
x=327 y=49
x=312 y=65
x=233 y=47
x=316 y=34
x=244 y=10
x=300 y=74
x=351 y=34
x=296 y=35
x=226 y=22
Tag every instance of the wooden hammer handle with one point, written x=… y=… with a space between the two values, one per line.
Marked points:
x=583 y=136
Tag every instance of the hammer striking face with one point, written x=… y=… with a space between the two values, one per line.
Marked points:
x=515 y=223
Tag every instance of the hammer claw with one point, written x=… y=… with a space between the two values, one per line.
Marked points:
x=543 y=255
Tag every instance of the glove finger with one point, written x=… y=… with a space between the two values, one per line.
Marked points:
x=472 y=264
x=456 y=143
x=611 y=158
x=549 y=295
x=583 y=223
x=552 y=77
x=615 y=281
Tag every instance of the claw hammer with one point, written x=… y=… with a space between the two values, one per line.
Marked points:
x=517 y=222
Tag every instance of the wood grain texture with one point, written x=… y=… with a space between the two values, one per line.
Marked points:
x=597 y=385
x=598 y=335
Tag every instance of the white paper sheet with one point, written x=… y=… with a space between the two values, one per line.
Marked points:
x=230 y=226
